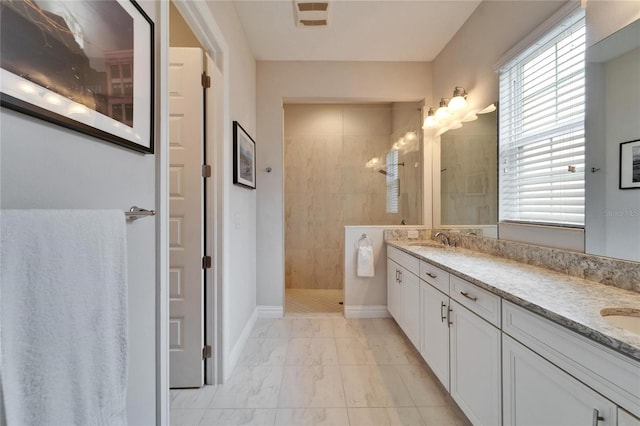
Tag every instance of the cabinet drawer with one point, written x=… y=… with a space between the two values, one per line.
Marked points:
x=435 y=276
x=403 y=259
x=479 y=301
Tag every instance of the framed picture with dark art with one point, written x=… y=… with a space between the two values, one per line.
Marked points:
x=244 y=157
x=83 y=64
x=630 y=165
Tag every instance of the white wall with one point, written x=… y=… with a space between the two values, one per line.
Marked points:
x=364 y=296
x=47 y=166
x=337 y=81
x=605 y=17
x=468 y=59
x=240 y=209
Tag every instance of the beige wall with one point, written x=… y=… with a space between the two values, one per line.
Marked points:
x=280 y=81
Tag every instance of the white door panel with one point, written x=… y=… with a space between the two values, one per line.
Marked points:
x=186 y=239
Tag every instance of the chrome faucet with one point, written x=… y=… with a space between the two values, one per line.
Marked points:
x=444 y=239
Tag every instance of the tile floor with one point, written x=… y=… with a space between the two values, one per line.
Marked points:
x=306 y=301
x=322 y=371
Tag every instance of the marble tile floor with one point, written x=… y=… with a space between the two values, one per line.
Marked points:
x=322 y=371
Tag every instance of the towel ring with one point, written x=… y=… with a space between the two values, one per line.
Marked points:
x=368 y=242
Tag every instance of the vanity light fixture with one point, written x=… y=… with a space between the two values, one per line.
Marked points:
x=430 y=121
x=442 y=112
x=459 y=100
x=455 y=125
x=471 y=116
x=488 y=109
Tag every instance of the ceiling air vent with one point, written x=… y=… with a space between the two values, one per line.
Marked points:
x=311 y=14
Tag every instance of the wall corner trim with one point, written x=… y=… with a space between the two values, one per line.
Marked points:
x=270 y=311
x=366 y=311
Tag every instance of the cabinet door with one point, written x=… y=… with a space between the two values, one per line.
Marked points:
x=475 y=366
x=626 y=419
x=435 y=331
x=410 y=284
x=537 y=392
x=394 y=298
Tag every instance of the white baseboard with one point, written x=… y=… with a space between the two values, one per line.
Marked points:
x=366 y=311
x=234 y=356
x=270 y=311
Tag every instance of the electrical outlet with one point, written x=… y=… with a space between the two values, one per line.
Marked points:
x=412 y=234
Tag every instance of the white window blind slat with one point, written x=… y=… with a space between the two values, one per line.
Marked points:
x=542 y=98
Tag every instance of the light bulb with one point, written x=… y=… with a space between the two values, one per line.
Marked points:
x=442 y=112
x=430 y=121
x=459 y=101
x=410 y=136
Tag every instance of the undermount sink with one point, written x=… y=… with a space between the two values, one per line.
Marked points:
x=628 y=319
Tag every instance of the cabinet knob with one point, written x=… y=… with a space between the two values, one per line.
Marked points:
x=434 y=276
x=596 y=417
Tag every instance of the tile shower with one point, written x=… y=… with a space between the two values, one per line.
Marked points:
x=331 y=181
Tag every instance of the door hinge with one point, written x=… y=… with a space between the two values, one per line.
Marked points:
x=206 y=171
x=206 y=262
x=206 y=352
x=206 y=80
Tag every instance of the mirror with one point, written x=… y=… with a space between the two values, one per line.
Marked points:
x=612 y=118
x=468 y=178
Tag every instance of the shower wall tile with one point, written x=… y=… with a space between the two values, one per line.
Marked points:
x=327 y=186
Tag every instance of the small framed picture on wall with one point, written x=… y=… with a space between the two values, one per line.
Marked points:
x=630 y=165
x=244 y=157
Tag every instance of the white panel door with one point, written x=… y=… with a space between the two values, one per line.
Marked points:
x=186 y=236
x=537 y=392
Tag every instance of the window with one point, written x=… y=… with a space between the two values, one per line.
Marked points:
x=393 y=182
x=541 y=129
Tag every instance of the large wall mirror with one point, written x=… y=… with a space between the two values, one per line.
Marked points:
x=465 y=169
x=612 y=118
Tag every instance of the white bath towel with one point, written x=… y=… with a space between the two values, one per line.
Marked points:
x=64 y=317
x=365 y=262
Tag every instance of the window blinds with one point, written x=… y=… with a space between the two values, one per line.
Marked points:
x=393 y=182
x=542 y=102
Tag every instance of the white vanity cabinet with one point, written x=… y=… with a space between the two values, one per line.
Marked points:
x=403 y=292
x=394 y=291
x=537 y=392
x=460 y=347
x=626 y=419
x=435 y=331
x=475 y=363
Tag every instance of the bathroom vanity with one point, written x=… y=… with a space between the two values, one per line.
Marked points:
x=514 y=343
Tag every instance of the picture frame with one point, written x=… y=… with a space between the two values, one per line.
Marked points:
x=630 y=165
x=84 y=65
x=244 y=157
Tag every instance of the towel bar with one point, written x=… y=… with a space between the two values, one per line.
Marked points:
x=136 y=212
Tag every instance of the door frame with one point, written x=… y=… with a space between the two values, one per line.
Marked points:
x=203 y=24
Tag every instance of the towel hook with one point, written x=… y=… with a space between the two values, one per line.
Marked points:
x=368 y=241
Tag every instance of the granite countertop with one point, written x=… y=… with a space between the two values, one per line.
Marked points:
x=569 y=301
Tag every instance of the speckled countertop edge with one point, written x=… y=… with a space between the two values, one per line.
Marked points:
x=574 y=303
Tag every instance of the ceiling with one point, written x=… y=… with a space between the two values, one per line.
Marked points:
x=358 y=30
